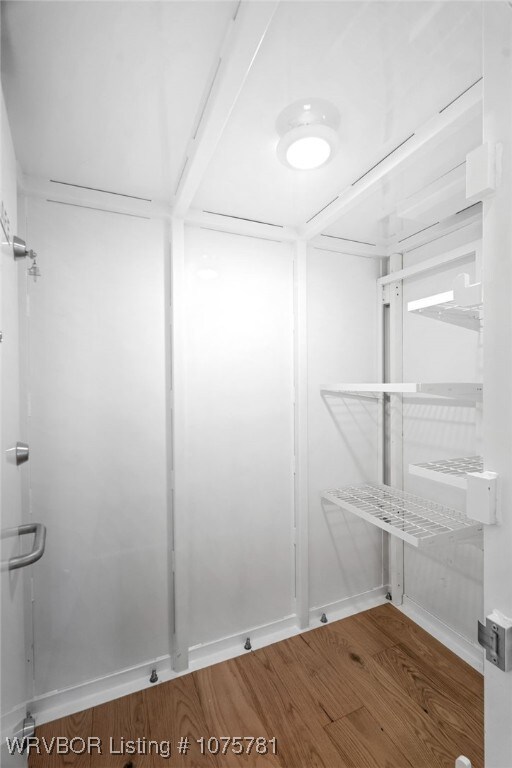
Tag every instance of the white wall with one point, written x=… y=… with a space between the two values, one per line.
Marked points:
x=12 y=639
x=345 y=552
x=446 y=580
x=239 y=451
x=97 y=435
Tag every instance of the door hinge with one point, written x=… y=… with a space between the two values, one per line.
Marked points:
x=496 y=637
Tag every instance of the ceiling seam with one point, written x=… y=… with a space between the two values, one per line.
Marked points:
x=244 y=218
x=103 y=210
x=104 y=191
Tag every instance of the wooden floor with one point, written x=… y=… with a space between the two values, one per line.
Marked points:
x=370 y=691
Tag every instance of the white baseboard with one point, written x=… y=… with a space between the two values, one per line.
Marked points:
x=59 y=704
x=469 y=652
x=233 y=645
x=230 y=647
x=67 y=701
x=349 y=606
x=11 y=722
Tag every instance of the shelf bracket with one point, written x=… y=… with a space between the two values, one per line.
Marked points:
x=386 y=294
x=482 y=497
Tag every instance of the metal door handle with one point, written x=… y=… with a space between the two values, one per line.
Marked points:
x=20 y=561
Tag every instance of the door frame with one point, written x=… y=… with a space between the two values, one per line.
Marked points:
x=497 y=362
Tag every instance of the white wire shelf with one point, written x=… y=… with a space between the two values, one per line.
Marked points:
x=417 y=521
x=468 y=391
x=461 y=306
x=450 y=471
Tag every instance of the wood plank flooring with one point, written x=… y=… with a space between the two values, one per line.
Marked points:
x=370 y=691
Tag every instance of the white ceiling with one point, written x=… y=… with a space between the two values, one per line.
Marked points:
x=106 y=94
x=377 y=219
x=387 y=66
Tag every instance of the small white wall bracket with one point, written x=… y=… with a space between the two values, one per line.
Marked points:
x=482 y=497
x=465 y=293
x=496 y=637
x=481 y=172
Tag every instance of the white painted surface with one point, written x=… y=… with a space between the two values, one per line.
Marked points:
x=14 y=693
x=239 y=51
x=301 y=498
x=345 y=552
x=429 y=133
x=177 y=466
x=383 y=65
x=97 y=429
x=229 y=647
x=239 y=449
x=446 y=581
x=377 y=216
x=108 y=94
x=497 y=367
x=97 y=434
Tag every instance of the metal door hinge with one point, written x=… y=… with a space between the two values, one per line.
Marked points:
x=496 y=637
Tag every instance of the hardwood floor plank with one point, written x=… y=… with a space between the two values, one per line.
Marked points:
x=369 y=691
x=449 y=715
x=228 y=707
x=122 y=719
x=363 y=634
x=301 y=744
x=175 y=711
x=462 y=678
x=308 y=678
x=78 y=725
x=405 y=721
x=364 y=743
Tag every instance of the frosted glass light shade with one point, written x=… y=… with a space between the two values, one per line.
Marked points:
x=307 y=146
x=307 y=153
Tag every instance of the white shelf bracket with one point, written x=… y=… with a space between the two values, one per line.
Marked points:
x=467 y=294
x=482 y=497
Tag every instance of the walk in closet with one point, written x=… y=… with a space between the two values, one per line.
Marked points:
x=256 y=277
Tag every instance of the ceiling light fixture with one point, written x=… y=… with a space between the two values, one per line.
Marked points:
x=308 y=131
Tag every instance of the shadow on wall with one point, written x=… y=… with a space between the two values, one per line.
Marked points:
x=351 y=414
x=344 y=528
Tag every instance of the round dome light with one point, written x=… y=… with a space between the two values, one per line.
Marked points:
x=308 y=134
x=307 y=153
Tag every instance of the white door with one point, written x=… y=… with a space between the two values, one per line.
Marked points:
x=14 y=681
